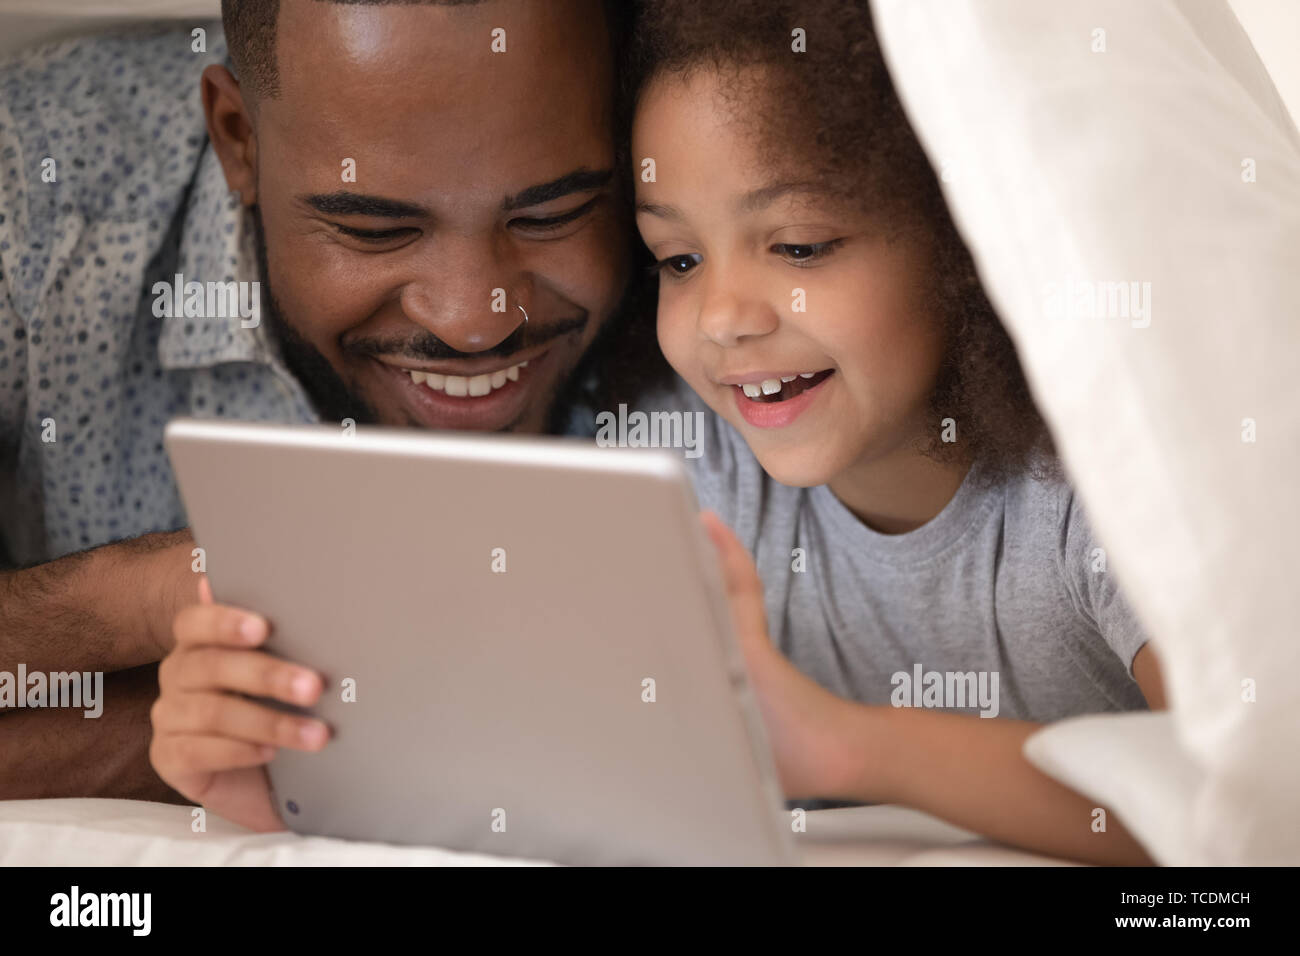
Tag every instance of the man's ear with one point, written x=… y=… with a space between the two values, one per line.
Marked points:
x=230 y=128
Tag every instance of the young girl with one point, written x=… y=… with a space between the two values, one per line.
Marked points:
x=932 y=591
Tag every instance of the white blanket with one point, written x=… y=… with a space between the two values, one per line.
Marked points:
x=1087 y=145
x=136 y=833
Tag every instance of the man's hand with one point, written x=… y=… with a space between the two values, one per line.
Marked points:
x=211 y=744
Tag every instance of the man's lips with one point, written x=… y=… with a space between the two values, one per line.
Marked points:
x=498 y=409
x=468 y=368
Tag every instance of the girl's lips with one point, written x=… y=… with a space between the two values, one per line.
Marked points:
x=777 y=414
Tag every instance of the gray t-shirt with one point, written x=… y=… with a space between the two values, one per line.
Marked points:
x=1002 y=604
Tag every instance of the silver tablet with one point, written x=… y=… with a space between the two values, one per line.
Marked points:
x=524 y=642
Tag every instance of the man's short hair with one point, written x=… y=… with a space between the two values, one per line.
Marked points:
x=250 y=34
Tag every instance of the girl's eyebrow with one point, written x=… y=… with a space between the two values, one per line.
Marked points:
x=661 y=210
x=758 y=199
x=751 y=202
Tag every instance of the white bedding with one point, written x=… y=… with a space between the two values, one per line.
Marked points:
x=136 y=833
x=1143 y=145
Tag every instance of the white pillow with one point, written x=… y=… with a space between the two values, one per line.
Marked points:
x=1113 y=141
x=1134 y=767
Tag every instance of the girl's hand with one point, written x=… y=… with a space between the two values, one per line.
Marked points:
x=212 y=744
x=805 y=722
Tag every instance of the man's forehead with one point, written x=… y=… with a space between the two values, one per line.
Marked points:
x=489 y=46
x=423 y=84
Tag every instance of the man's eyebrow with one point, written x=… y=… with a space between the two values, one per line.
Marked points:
x=578 y=181
x=359 y=204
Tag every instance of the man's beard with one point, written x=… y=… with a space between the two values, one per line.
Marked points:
x=333 y=399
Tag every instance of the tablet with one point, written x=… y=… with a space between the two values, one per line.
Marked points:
x=525 y=645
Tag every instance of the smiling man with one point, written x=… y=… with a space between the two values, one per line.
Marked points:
x=425 y=196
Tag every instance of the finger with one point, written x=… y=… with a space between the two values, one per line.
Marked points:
x=245 y=672
x=205 y=590
x=224 y=715
x=739 y=576
x=176 y=754
x=218 y=624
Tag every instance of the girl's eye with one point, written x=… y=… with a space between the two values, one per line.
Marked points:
x=806 y=251
x=677 y=265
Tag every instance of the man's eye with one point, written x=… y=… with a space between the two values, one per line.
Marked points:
x=373 y=235
x=555 y=222
x=677 y=265
x=806 y=251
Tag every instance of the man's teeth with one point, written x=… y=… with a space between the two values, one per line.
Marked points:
x=474 y=386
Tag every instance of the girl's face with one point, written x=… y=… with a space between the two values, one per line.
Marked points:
x=787 y=311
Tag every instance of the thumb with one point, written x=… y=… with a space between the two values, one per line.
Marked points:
x=740 y=577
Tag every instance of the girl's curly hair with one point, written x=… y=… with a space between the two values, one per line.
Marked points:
x=834 y=108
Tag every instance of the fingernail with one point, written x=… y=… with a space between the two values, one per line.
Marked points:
x=251 y=629
x=303 y=685
x=313 y=735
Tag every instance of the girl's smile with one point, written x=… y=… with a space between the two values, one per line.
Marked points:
x=776 y=401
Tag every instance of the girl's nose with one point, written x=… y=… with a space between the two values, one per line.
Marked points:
x=728 y=315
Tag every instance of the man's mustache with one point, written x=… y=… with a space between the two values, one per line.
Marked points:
x=426 y=347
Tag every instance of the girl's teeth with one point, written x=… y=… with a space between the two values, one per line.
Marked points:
x=807 y=374
x=788 y=378
x=476 y=386
x=751 y=391
x=771 y=386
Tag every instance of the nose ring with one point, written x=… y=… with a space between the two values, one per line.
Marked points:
x=521 y=309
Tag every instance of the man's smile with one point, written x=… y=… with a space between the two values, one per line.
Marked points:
x=485 y=395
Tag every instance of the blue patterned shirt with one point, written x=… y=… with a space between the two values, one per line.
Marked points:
x=89 y=374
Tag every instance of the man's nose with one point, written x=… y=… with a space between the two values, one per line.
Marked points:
x=469 y=297
x=732 y=310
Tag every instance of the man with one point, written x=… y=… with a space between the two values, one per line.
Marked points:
x=429 y=203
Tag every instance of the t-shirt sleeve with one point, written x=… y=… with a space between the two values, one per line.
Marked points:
x=1094 y=585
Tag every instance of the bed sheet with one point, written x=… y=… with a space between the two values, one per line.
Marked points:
x=89 y=832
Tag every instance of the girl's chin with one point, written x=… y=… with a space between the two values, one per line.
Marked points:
x=795 y=466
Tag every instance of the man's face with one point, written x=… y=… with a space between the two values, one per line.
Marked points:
x=483 y=190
